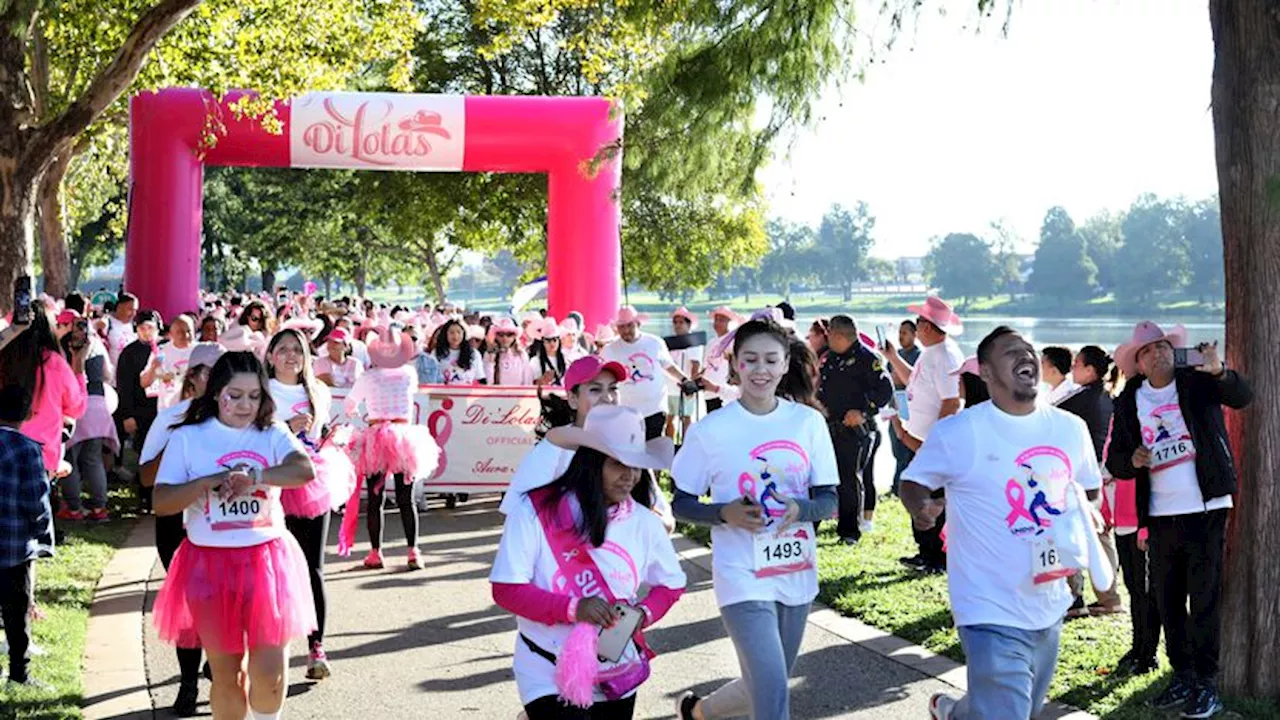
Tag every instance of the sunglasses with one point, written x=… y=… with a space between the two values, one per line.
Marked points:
x=255 y=318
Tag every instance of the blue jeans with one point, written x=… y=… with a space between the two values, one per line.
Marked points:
x=1009 y=671
x=767 y=637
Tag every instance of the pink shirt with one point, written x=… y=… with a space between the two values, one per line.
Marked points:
x=387 y=394
x=515 y=369
x=344 y=375
x=62 y=394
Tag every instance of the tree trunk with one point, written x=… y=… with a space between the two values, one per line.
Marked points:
x=433 y=267
x=54 y=259
x=1246 y=98
x=269 y=280
x=17 y=229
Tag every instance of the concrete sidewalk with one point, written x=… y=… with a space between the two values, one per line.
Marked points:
x=432 y=644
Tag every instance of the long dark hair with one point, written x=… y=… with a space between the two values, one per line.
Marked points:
x=243 y=319
x=585 y=479
x=799 y=384
x=228 y=366
x=557 y=365
x=441 y=342
x=307 y=377
x=22 y=361
x=975 y=390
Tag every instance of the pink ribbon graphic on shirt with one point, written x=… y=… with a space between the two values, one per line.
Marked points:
x=1017 y=498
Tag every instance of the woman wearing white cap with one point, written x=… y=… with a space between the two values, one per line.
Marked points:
x=760 y=459
x=571 y=561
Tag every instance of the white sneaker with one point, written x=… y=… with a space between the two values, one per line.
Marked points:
x=866 y=526
x=941 y=705
x=35 y=650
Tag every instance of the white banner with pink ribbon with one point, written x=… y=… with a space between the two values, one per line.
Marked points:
x=483 y=433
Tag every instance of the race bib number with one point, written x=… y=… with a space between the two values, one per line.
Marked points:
x=1046 y=563
x=789 y=551
x=242 y=512
x=1171 y=452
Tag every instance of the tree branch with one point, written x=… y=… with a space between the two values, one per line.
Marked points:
x=111 y=81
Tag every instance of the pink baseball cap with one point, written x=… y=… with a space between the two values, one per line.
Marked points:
x=338 y=335
x=585 y=369
x=66 y=317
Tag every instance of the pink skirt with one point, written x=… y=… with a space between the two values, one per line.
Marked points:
x=335 y=478
x=395 y=448
x=233 y=599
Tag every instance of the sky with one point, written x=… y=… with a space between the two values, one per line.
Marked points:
x=1085 y=104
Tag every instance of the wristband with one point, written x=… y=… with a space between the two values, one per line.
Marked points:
x=573 y=609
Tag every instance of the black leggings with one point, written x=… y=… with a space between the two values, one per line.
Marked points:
x=552 y=707
x=313 y=535
x=869 y=472
x=404 y=501
x=169 y=535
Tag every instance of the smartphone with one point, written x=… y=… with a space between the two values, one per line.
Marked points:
x=879 y=337
x=22 y=300
x=1187 y=357
x=614 y=640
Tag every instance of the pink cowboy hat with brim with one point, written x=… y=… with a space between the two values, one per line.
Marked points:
x=570 y=326
x=683 y=312
x=501 y=326
x=937 y=311
x=310 y=329
x=385 y=352
x=618 y=431
x=475 y=332
x=1146 y=333
x=604 y=335
x=627 y=314
x=545 y=328
x=726 y=312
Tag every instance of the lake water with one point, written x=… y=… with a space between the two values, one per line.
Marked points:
x=1071 y=332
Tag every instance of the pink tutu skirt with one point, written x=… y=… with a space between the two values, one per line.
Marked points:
x=334 y=481
x=393 y=448
x=233 y=599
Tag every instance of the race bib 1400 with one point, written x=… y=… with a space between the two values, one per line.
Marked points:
x=252 y=509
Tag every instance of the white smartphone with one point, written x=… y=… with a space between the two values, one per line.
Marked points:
x=614 y=641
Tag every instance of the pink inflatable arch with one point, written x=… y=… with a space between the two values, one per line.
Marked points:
x=375 y=131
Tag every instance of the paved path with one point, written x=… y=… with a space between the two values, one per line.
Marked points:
x=432 y=644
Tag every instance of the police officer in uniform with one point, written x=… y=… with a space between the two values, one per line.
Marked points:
x=853 y=387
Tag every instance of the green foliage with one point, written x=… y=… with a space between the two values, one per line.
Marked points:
x=1063 y=268
x=1202 y=229
x=1102 y=239
x=961 y=265
x=844 y=239
x=1154 y=255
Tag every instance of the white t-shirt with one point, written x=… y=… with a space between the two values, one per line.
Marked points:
x=344 y=375
x=636 y=551
x=454 y=375
x=119 y=336
x=545 y=462
x=292 y=400
x=158 y=435
x=646 y=361
x=173 y=365
x=537 y=368
x=360 y=351
x=1175 y=490
x=249 y=519
x=1006 y=478
x=717 y=371
x=732 y=452
x=684 y=359
x=1065 y=389
x=931 y=383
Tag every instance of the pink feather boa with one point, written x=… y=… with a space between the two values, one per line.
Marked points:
x=577 y=666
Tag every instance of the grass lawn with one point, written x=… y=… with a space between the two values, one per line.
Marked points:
x=64 y=591
x=868 y=583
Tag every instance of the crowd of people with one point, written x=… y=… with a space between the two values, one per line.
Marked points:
x=1023 y=472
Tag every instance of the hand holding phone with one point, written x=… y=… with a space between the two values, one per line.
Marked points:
x=614 y=639
x=1187 y=357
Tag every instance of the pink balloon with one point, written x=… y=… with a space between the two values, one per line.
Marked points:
x=576 y=141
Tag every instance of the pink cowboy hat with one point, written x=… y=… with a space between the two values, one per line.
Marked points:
x=604 y=335
x=475 y=332
x=627 y=314
x=310 y=329
x=546 y=328
x=937 y=311
x=683 y=312
x=970 y=365
x=570 y=326
x=384 y=352
x=1144 y=334
x=503 y=325
x=725 y=311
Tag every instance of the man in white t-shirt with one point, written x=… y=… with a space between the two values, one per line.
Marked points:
x=118 y=326
x=689 y=360
x=715 y=371
x=1012 y=470
x=932 y=393
x=647 y=360
x=1168 y=435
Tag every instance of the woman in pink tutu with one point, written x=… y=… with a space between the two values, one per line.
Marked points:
x=238 y=584
x=392 y=446
x=302 y=403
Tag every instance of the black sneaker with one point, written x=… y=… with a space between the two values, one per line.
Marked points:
x=1204 y=702
x=1176 y=694
x=848 y=541
x=207 y=671
x=188 y=696
x=1078 y=610
x=1131 y=664
x=685 y=705
x=914 y=562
